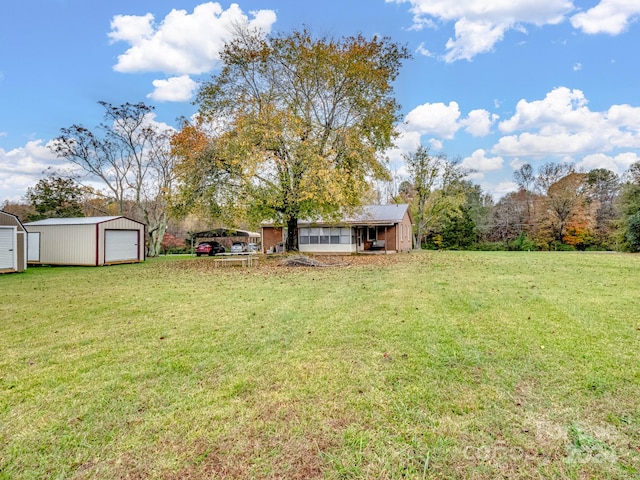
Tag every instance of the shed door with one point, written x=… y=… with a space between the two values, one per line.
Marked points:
x=33 y=247
x=120 y=245
x=7 y=248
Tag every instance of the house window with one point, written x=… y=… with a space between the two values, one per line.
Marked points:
x=372 y=234
x=325 y=236
x=345 y=236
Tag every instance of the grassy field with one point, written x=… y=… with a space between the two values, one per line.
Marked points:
x=423 y=365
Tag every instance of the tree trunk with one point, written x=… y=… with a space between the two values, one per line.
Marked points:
x=292 y=235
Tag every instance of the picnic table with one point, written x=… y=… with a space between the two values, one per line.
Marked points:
x=230 y=259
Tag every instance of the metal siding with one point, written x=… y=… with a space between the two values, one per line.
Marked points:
x=66 y=244
x=21 y=250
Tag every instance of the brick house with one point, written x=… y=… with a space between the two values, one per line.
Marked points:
x=374 y=228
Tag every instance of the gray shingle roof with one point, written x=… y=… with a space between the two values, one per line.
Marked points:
x=379 y=214
x=367 y=215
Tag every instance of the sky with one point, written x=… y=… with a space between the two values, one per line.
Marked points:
x=492 y=83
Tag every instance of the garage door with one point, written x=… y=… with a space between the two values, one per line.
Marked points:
x=7 y=248
x=120 y=245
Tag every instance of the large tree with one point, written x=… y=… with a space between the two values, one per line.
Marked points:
x=436 y=189
x=603 y=191
x=131 y=155
x=629 y=207
x=301 y=124
x=564 y=206
x=55 y=197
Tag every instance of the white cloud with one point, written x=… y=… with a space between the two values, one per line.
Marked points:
x=562 y=125
x=503 y=188
x=22 y=167
x=435 y=144
x=516 y=163
x=480 y=162
x=561 y=104
x=478 y=123
x=181 y=43
x=577 y=67
x=436 y=119
x=609 y=16
x=480 y=24
x=175 y=89
x=423 y=51
x=618 y=164
x=133 y=29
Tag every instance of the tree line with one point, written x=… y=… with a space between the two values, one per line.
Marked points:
x=555 y=208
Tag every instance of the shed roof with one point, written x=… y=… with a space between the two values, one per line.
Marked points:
x=76 y=220
x=11 y=219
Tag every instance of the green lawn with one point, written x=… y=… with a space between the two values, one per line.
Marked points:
x=424 y=365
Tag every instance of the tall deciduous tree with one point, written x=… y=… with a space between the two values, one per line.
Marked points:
x=564 y=205
x=526 y=180
x=629 y=206
x=434 y=179
x=549 y=173
x=130 y=154
x=603 y=191
x=303 y=122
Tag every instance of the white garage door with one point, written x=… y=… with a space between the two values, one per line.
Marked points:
x=7 y=248
x=120 y=245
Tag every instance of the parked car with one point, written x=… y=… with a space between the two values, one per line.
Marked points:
x=252 y=247
x=209 y=248
x=238 y=247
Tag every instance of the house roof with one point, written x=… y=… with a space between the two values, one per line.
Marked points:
x=75 y=221
x=365 y=215
x=379 y=214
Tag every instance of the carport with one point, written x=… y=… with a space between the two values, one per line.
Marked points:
x=225 y=236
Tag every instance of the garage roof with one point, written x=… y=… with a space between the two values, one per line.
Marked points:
x=75 y=221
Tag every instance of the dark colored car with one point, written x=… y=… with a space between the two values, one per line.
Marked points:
x=209 y=248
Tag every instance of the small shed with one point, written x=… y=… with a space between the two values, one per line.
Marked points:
x=91 y=241
x=13 y=244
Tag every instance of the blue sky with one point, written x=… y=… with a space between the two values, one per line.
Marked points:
x=495 y=83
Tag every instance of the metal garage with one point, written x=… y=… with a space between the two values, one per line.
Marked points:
x=86 y=241
x=13 y=244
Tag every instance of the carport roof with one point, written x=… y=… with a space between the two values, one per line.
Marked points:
x=225 y=232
